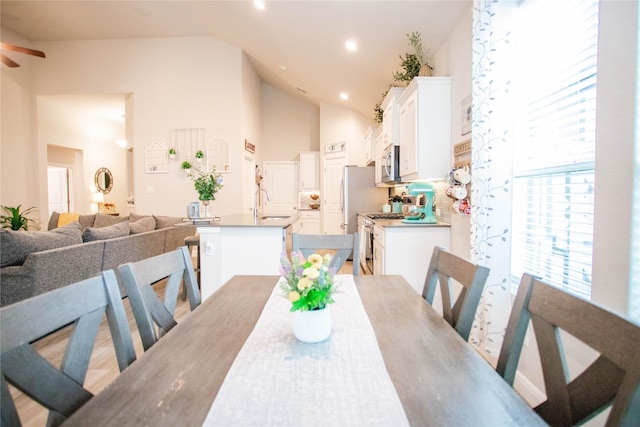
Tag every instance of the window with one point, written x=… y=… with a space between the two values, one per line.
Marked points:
x=554 y=142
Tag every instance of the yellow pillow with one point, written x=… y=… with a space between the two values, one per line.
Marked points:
x=67 y=217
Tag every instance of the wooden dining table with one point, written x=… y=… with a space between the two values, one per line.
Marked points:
x=439 y=378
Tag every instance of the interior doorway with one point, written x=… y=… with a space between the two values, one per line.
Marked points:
x=60 y=189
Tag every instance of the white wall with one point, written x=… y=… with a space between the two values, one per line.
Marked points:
x=19 y=156
x=339 y=124
x=289 y=126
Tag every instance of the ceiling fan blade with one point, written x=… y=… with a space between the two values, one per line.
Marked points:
x=22 y=50
x=8 y=61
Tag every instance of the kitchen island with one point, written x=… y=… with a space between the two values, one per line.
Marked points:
x=240 y=244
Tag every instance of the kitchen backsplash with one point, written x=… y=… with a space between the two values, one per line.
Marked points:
x=306 y=199
x=441 y=201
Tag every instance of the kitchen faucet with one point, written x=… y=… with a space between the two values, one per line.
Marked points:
x=255 y=203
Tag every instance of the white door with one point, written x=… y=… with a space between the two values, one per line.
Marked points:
x=281 y=181
x=333 y=193
x=59 y=189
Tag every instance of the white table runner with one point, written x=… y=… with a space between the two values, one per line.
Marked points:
x=278 y=381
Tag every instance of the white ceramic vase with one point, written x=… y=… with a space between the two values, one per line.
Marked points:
x=312 y=326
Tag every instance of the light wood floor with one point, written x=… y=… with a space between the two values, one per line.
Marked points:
x=103 y=367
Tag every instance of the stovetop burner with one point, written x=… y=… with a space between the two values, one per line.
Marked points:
x=386 y=215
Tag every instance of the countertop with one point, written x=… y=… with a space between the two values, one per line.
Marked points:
x=384 y=222
x=246 y=220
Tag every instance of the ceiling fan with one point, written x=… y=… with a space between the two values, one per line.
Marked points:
x=10 y=62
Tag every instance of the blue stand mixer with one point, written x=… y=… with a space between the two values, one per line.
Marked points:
x=420 y=213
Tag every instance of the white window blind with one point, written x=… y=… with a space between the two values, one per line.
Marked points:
x=554 y=142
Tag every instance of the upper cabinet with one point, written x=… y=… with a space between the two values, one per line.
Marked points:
x=377 y=153
x=425 y=129
x=390 y=117
x=369 y=148
x=309 y=170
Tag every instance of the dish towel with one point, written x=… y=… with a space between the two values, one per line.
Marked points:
x=278 y=381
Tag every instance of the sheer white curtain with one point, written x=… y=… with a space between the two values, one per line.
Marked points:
x=492 y=157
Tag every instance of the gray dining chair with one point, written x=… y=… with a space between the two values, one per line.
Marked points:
x=59 y=389
x=445 y=266
x=138 y=277
x=344 y=245
x=613 y=379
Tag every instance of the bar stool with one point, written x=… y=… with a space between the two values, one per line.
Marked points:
x=190 y=242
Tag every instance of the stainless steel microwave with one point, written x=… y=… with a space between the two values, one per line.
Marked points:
x=390 y=164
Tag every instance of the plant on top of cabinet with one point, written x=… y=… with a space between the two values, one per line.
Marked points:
x=411 y=67
x=415 y=40
x=379 y=112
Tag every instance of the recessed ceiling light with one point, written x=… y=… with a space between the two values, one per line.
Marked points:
x=351 y=45
x=259 y=4
x=282 y=67
x=344 y=96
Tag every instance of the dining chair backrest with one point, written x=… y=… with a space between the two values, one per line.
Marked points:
x=445 y=266
x=138 y=277
x=613 y=379
x=59 y=389
x=344 y=245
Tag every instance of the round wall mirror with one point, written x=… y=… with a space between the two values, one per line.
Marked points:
x=104 y=180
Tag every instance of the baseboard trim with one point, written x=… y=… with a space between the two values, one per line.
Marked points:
x=528 y=391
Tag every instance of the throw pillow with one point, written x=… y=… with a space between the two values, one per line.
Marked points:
x=103 y=233
x=142 y=225
x=166 y=221
x=134 y=217
x=84 y=220
x=15 y=246
x=103 y=220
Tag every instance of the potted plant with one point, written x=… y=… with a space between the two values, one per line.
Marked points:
x=172 y=153
x=411 y=67
x=186 y=166
x=422 y=55
x=207 y=184
x=309 y=285
x=199 y=156
x=378 y=111
x=16 y=220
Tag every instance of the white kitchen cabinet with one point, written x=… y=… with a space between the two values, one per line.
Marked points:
x=378 y=149
x=369 y=147
x=407 y=250
x=425 y=129
x=309 y=222
x=309 y=170
x=390 y=117
x=280 y=179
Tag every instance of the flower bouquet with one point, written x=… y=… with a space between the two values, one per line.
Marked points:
x=309 y=285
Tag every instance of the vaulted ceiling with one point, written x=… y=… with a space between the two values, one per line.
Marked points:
x=305 y=37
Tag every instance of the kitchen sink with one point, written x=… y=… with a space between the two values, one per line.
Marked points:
x=274 y=217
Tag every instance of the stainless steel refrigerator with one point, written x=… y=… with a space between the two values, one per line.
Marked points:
x=360 y=195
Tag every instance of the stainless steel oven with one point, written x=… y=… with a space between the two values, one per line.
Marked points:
x=365 y=228
x=390 y=164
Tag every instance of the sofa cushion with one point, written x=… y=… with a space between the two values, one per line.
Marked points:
x=15 y=246
x=166 y=221
x=103 y=233
x=134 y=216
x=84 y=220
x=103 y=220
x=142 y=225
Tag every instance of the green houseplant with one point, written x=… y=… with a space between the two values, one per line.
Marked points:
x=172 y=153
x=199 y=154
x=186 y=165
x=411 y=68
x=207 y=184
x=17 y=219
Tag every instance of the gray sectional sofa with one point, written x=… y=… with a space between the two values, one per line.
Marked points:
x=35 y=262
